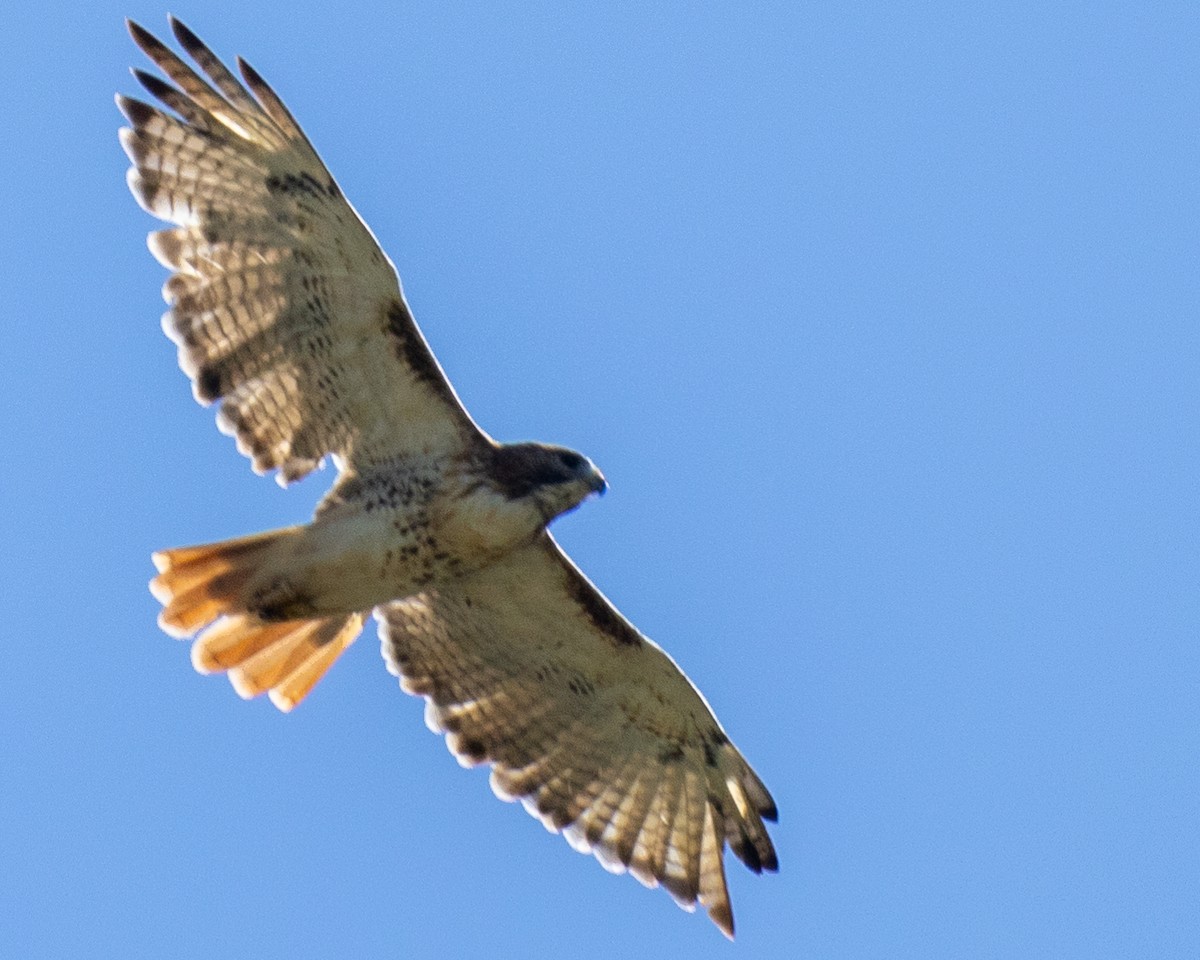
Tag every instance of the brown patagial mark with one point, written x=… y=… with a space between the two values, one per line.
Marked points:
x=304 y=184
x=413 y=352
x=601 y=614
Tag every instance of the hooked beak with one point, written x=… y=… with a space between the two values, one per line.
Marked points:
x=596 y=481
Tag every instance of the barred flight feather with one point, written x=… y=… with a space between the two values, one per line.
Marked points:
x=616 y=750
x=283 y=306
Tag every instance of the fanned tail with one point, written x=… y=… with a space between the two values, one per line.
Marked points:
x=213 y=585
x=284 y=660
x=196 y=585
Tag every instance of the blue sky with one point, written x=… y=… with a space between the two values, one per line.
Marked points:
x=881 y=319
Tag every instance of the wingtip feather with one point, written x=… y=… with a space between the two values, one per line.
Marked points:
x=722 y=916
x=146 y=41
x=249 y=74
x=136 y=30
x=156 y=86
x=183 y=33
x=196 y=48
x=136 y=112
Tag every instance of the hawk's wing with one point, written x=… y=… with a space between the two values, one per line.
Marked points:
x=282 y=303
x=528 y=667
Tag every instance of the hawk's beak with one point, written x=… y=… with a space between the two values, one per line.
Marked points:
x=596 y=481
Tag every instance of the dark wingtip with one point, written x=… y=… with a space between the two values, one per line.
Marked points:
x=748 y=854
x=722 y=916
x=136 y=112
x=249 y=74
x=155 y=85
x=184 y=34
x=141 y=36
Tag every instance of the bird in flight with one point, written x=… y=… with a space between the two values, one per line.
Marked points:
x=288 y=314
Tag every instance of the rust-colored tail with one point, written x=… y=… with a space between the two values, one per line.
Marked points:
x=203 y=584
x=196 y=585
x=283 y=659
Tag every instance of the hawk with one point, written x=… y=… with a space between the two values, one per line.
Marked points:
x=288 y=315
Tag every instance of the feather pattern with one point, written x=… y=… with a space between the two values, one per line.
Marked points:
x=287 y=314
x=526 y=666
x=283 y=306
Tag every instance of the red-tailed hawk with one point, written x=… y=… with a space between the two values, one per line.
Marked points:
x=287 y=312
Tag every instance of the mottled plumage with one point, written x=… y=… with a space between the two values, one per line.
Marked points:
x=288 y=314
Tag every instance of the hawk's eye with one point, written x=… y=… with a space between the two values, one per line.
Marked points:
x=572 y=461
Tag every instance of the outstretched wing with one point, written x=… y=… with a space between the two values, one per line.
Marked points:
x=528 y=667
x=283 y=305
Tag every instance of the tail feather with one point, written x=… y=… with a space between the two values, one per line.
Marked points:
x=332 y=640
x=187 y=613
x=233 y=640
x=226 y=550
x=197 y=584
x=276 y=660
x=283 y=659
x=212 y=582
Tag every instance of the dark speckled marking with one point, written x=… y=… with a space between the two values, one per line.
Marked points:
x=558 y=816
x=296 y=606
x=603 y=617
x=411 y=350
x=292 y=184
x=472 y=748
x=386 y=489
x=713 y=741
x=594 y=829
x=671 y=754
x=208 y=384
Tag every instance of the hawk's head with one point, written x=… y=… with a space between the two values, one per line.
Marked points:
x=554 y=479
